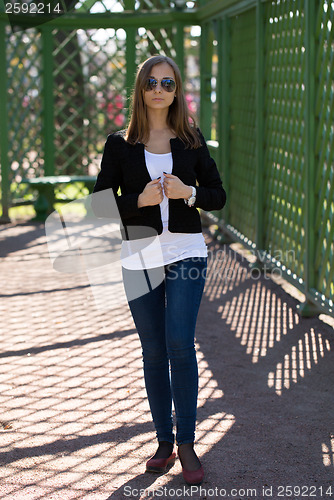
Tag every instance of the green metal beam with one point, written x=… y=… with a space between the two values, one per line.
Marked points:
x=224 y=102
x=114 y=20
x=206 y=50
x=130 y=17
x=309 y=143
x=48 y=100
x=131 y=32
x=259 y=125
x=4 y=128
x=221 y=77
x=179 y=46
x=309 y=309
x=223 y=8
x=223 y=119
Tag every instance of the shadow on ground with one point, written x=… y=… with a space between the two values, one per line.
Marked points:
x=276 y=372
x=72 y=387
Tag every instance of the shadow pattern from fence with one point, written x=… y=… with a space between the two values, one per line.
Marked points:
x=275 y=137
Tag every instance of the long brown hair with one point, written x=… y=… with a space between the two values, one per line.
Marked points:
x=178 y=113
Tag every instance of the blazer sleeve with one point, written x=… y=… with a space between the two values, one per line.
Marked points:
x=110 y=176
x=210 y=194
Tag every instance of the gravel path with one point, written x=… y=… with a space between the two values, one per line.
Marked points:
x=75 y=423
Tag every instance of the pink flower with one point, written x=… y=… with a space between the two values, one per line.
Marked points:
x=119 y=120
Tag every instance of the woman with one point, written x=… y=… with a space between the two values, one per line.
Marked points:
x=163 y=168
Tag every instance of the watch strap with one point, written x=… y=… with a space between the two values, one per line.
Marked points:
x=192 y=198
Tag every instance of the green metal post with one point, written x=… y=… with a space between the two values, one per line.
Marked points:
x=225 y=54
x=220 y=91
x=48 y=100
x=205 y=78
x=4 y=127
x=131 y=32
x=259 y=131
x=308 y=308
x=223 y=125
x=179 y=46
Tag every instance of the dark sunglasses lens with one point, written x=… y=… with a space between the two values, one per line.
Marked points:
x=151 y=83
x=168 y=84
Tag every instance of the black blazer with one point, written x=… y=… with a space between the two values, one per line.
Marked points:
x=123 y=166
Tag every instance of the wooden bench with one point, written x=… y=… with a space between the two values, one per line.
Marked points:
x=44 y=204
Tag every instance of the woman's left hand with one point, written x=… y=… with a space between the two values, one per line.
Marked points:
x=174 y=188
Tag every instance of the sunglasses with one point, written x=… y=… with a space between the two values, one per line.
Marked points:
x=168 y=84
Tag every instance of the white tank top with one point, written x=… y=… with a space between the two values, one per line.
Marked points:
x=166 y=247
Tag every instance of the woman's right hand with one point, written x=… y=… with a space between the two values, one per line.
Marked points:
x=152 y=194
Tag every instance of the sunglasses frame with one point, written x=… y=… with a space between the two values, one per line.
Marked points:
x=149 y=85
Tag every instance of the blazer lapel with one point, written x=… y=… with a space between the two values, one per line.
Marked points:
x=136 y=156
x=177 y=148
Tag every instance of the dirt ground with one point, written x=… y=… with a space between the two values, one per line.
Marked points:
x=75 y=422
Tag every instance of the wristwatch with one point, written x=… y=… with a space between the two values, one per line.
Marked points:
x=191 y=201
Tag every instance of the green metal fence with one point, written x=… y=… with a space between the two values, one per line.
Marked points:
x=276 y=137
x=266 y=73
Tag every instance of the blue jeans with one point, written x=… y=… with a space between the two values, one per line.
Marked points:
x=165 y=319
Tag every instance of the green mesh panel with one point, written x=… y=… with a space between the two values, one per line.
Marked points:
x=24 y=107
x=285 y=133
x=243 y=122
x=89 y=94
x=324 y=140
x=154 y=41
